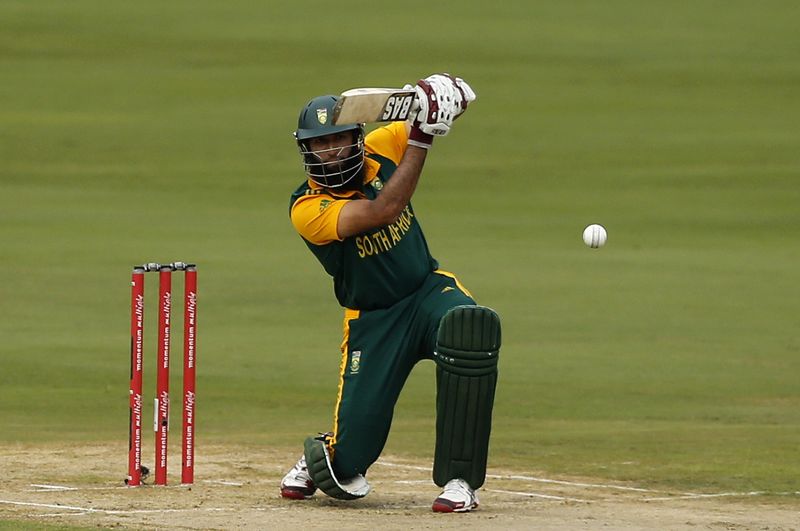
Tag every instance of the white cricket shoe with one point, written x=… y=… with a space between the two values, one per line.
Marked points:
x=297 y=483
x=457 y=497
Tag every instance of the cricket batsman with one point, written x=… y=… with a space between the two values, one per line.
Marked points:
x=354 y=214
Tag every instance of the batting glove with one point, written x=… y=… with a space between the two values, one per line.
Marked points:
x=441 y=98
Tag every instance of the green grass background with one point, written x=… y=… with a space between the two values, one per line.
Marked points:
x=153 y=131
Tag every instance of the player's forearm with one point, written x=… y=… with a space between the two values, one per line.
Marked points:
x=398 y=191
x=365 y=214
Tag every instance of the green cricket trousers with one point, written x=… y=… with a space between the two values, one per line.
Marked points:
x=379 y=350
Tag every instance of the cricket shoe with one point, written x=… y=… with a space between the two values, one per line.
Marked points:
x=457 y=497
x=297 y=483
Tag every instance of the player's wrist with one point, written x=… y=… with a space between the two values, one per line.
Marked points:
x=419 y=139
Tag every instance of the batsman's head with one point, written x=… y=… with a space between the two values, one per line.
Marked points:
x=332 y=154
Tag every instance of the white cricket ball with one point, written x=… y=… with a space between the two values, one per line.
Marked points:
x=595 y=236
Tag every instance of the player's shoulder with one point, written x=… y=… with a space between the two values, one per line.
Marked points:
x=304 y=190
x=391 y=132
x=389 y=141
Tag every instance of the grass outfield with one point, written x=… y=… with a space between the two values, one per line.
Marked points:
x=151 y=131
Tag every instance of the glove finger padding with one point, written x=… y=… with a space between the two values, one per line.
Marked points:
x=435 y=107
x=467 y=94
x=423 y=105
x=441 y=98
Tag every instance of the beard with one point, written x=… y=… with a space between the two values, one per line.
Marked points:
x=356 y=182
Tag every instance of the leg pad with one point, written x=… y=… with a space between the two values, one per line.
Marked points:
x=318 y=460
x=467 y=349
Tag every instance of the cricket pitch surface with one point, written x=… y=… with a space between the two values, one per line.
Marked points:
x=237 y=488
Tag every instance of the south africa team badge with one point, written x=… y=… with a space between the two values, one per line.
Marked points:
x=355 y=361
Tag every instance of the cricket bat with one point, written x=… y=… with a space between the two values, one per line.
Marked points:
x=368 y=105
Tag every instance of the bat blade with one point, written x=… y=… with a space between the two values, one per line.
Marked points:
x=368 y=105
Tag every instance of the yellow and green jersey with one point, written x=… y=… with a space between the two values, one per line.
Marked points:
x=377 y=268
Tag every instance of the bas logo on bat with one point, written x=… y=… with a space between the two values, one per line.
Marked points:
x=367 y=105
x=397 y=108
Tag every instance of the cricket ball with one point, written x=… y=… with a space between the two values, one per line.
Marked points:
x=595 y=236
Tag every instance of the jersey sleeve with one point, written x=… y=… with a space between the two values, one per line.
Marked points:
x=390 y=141
x=316 y=218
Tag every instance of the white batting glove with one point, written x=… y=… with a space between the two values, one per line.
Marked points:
x=423 y=116
x=467 y=94
x=453 y=95
x=442 y=98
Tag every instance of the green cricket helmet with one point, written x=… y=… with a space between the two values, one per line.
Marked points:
x=315 y=121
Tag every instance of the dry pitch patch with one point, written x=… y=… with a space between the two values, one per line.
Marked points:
x=237 y=488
